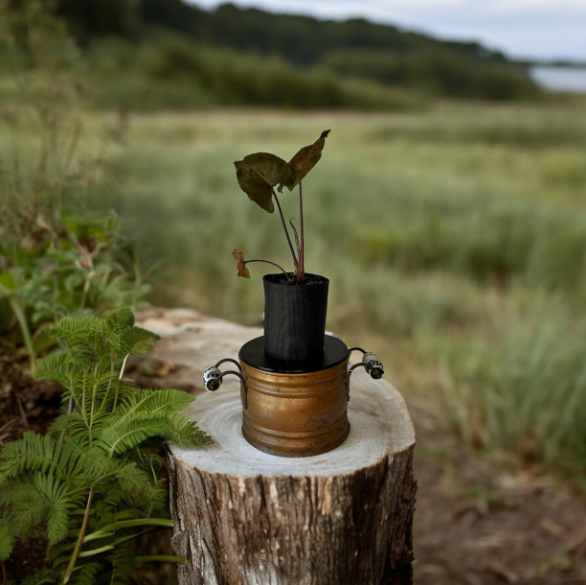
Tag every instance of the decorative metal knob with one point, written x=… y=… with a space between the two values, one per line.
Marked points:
x=373 y=366
x=212 y=379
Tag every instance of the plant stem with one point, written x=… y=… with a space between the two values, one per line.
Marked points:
x=78 y=546
x=295 y=260
x=26 y=336
x=23 y=325
x=296 y=238
x=269 y=262
x=120 y=378
x=302 y=253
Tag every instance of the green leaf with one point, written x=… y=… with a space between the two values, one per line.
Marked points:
x=7 y=283
x=306 y=159
x=133 y=340
x=76 y=329
x=57 y=368
x=135 y=481
x=120 y=319
x=32 y=453
x=6 y=540
x=258 y=173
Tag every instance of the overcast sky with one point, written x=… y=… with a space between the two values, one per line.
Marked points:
x=521 y=28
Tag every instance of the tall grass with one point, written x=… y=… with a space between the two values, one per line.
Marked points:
x=454 y=239
x=526 y=395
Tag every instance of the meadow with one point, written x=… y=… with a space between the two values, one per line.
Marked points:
x=454 y=239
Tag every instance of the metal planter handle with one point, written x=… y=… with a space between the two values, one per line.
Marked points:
x=212 y=379
x=373 y=366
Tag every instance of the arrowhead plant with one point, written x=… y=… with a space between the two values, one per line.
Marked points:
x=258 y=174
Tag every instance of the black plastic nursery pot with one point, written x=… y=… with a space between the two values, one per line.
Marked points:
x=295 y=317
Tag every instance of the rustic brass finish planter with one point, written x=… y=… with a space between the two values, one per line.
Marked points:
x=294 y=409
x=296 y=415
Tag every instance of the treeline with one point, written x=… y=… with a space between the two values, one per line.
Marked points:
x=260 y=58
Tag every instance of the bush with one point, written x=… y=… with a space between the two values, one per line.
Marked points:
x=174 y=73
x=434 y=72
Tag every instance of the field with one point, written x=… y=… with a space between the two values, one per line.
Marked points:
x=455 y=240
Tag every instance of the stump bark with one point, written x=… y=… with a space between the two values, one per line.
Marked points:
x=243 y=517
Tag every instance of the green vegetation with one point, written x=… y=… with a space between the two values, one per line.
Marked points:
x=451 y=237
x=164 y=54
x=82 y=493
x=164 y=71
x=92 y=485
x=58 y=255
x=354 y=48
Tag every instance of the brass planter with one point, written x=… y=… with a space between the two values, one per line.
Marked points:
x=296 y=415
x=294 y=409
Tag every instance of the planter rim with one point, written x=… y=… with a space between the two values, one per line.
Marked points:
x=266 y=278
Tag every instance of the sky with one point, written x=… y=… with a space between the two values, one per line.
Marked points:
x=541 y=29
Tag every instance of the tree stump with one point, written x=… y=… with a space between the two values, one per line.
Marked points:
x=243 y=517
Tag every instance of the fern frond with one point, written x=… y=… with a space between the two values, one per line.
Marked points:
x=130 y=432
x=155 y=402
x=60 y=501
x=120 y=319
x=6 y=540
x=27 y=511
x=85 y=461
x=133 y=341
x=185 y=432
x=57 y=368
x=74 y=330
x=158 y=501
x=135 y=481
x=31 y=453
x=88 y=573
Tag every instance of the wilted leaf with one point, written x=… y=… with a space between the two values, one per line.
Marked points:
x=258 y=173
x=306 y=159
x=241 y=266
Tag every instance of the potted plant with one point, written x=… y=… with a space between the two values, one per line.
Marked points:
x=294 y=380
x=295 y=301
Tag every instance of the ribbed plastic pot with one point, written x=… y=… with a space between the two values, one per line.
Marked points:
x=295 y=317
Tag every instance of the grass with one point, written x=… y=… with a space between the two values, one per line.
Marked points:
x=455 y=240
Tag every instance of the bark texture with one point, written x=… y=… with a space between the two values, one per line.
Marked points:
x=352 y=529
x=243 y=517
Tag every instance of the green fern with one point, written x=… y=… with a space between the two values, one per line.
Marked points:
x=91 y=484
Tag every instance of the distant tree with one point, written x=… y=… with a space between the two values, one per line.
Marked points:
x=88 y=19
x=173 y=14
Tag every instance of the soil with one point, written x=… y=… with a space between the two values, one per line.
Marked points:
x=25 y=404
x=310 y=278
x=482 y=521
x=479 y=520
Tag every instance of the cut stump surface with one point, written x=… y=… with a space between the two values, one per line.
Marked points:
x=243 y=517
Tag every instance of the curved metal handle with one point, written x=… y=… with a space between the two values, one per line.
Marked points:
x=212 y=379
x=373 y=366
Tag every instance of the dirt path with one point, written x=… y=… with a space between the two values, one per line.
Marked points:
x=482 y=523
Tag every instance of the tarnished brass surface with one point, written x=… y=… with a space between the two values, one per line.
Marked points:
x=296 y=415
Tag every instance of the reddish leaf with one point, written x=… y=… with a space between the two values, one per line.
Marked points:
x=241 y=266
x=306 y=159
x=258 y=173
